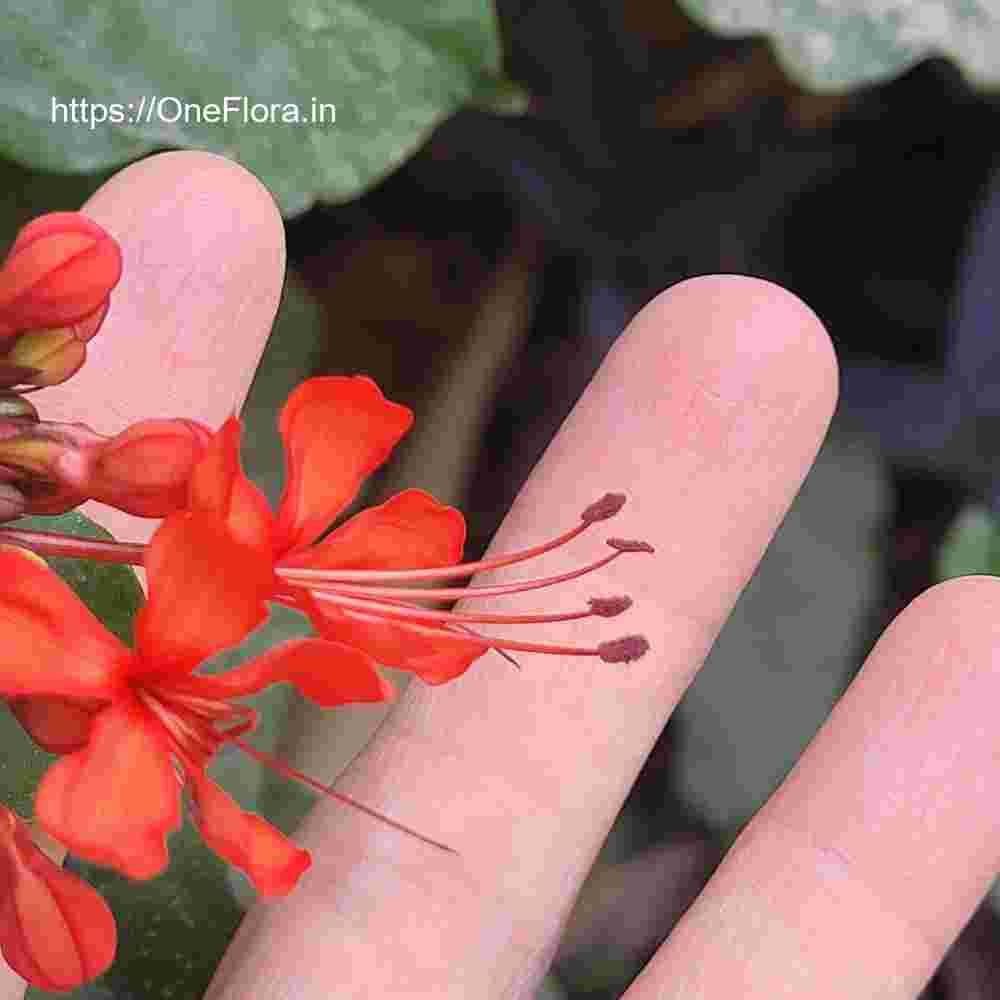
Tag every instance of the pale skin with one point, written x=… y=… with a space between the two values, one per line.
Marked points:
x=854 y=878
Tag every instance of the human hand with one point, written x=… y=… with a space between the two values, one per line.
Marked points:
x=858 y=873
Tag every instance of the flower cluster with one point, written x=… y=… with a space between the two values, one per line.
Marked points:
x=55 y=291
x=136 y=728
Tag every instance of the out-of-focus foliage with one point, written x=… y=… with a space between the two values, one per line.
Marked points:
x=840 y=44
x=392 y=69
x=971 y=546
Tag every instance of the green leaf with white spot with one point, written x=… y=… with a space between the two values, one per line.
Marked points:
x=391 y=69
x=837 y=46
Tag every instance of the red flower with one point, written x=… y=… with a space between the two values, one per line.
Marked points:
x=336 y=431
x=138 y=726
x=59 y=273
x=55 y=930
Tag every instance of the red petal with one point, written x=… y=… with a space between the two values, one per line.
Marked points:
x=86 y=329
x=433 y=659
x=206 y=592
x=52 y=645
x=55 y=930
x=115 y=801
x=220 y=486
x=336 y=431
x=409 y=531
x=329 y=673
x=55 y=724
x=60 y=269
x=145 y=470
x=272 y=861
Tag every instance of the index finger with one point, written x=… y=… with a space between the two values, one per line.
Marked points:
x=707 y=414
x=204 y=261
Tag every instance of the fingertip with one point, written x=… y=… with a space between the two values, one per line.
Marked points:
x=204 y=258
x=745 y=340
x=960 y=616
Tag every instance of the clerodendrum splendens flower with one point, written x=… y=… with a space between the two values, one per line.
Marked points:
x=55 y=930
x=356 y=584
x=138 y=726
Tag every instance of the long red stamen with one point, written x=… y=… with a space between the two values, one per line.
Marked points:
x=52 y=543
x=599 y=510
x=290 y=772
x=191 y=739
x=603 y=607
x=621 y=650
x=495 y=590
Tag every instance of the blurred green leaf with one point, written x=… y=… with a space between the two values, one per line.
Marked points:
x=294 y=351
x=838 y=46
x=971 y=545
x=393 y=69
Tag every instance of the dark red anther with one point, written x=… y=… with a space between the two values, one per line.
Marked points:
x=623 y=650
x=601 y=510
x=630 y=545
x=608 y=607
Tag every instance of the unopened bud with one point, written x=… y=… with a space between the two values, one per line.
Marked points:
x=51 y=356
x=44 y=462
x=60 y=271
x=145 y=470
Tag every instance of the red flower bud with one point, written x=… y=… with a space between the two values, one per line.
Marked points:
x=59 y=272
x=145 y=469
x=142 y=471
x=55 y=930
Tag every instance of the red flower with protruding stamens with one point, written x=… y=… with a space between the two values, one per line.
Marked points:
x=55 y=930
x=337 y=430
x=139 y=725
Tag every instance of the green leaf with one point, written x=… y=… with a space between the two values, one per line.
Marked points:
x=838 y=46
x=971 y=545
x=294 y=351
x=392 y=69
x=22 y=765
